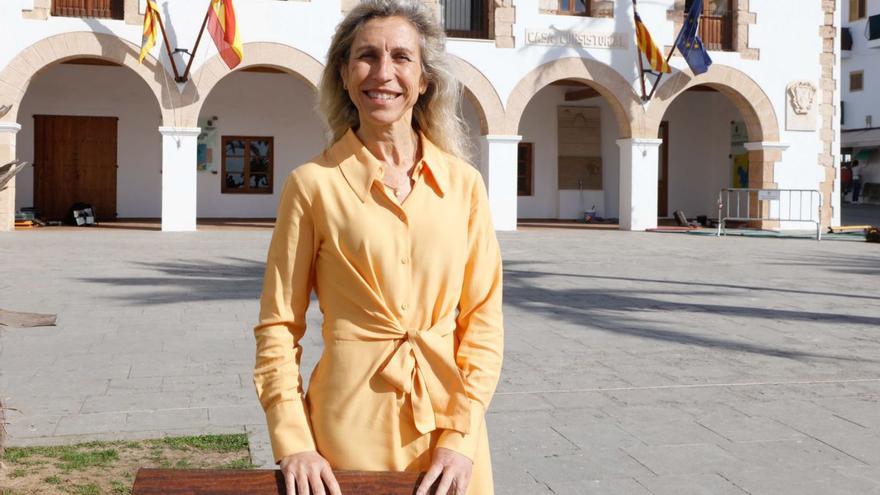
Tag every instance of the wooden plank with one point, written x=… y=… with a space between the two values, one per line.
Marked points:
x=265 y=482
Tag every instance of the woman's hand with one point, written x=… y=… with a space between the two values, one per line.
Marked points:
x=308 y=470
x=452 y=468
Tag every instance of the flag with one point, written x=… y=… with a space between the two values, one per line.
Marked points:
x=224 y=31
x=647 y=46
x=151 y=29
x=689 y=43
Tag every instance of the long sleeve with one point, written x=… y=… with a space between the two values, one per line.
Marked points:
x=287 y=284
x=479 y=325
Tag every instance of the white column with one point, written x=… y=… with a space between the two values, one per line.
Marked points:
x=499 y=172
x=179 y=178
x=8 y=130
x=639 y=162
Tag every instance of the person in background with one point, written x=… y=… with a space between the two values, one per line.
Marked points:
x=856 y=181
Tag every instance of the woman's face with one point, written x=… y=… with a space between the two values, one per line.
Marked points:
x=383 y=74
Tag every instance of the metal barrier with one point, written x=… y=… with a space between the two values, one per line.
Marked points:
x=779 y=205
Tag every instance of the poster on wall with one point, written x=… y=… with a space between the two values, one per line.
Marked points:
x=739 y=156
x=580 y=148
x=205 y=144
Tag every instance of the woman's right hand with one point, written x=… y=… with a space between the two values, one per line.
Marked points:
x=306 y=473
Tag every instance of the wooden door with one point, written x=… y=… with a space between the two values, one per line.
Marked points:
x=663 y=172
x=74 y=162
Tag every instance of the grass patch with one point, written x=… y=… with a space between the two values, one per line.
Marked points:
x=212 y=443
x=243 y=463
x=74 y=460
x=97 y=468
x=52 y=480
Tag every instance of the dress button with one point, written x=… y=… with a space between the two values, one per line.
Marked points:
x=404 y=260
x=404 y=306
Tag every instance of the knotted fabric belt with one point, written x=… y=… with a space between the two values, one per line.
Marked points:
x=423 y=366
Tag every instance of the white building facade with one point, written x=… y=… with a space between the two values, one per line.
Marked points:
x=860 y=93
x=553 y=99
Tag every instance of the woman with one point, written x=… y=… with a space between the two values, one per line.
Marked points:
x=393 y=232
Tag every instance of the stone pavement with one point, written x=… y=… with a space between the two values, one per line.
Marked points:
x=636 y=363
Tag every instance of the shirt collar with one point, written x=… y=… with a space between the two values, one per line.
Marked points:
x=360 y=168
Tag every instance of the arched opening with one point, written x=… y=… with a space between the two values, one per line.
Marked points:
x=703 y=151
x=568 y=160
x=89 y=127
x=87 y=76
x=722 y=132
x=570 y=114
x=257 y=124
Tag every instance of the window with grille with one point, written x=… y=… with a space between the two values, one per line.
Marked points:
x=110 y=9
x=574 y=7
x=716 y=24
x=247 y=165
x=466 y=18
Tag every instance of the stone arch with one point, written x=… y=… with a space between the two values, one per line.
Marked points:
x=748 y=97
x=481 y=94
x=755 y=108
x=265 y=54
x=603 y=78
x=17 y=75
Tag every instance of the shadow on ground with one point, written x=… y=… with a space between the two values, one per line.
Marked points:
x=609 y=310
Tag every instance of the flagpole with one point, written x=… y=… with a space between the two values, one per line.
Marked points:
x=192 y=55
x=639 y=54
x=668 y=57
x=168 y=47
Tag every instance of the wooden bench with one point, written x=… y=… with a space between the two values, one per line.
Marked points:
x=264 y=482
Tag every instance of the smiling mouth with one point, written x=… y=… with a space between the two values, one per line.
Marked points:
x=381 y=95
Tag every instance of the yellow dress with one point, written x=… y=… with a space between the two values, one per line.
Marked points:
x=411 y=300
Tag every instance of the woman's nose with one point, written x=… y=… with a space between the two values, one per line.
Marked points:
x=383 y=68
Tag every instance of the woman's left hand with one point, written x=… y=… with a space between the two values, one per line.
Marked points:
x=452 y=468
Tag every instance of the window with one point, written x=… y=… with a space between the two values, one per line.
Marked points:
x=247 y=165
x=524 y=165
x=856 y=81
x=716 y=24
x=110 y=9
x=466 y=18
x=857 y=9
x=574 y=7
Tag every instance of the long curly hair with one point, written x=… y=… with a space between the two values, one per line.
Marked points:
x=437 y=112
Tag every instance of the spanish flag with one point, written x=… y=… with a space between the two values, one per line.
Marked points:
x=224 y=31
x=647 y=46
x=151 y=29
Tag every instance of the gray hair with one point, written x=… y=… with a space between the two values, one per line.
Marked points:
x=436 y=112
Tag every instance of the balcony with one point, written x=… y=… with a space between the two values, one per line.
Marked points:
x=107 y=9
x=716 y=30
x=466 y=18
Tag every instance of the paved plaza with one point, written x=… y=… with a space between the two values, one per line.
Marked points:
x=635 y=363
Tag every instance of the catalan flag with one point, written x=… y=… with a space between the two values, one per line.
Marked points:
x=647 y=46
x=151 y=29
x=224 y=31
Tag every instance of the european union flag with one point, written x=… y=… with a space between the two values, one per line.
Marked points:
x=689 y=43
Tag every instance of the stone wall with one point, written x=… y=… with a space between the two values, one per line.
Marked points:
x=827 y=104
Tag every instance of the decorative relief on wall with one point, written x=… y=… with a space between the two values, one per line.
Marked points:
x=580 y=148
x=4 y=109
x=800 y=108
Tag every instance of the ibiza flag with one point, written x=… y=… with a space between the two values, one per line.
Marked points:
x=151 y=29
x=689 y=43
x=224 y=31
x=647 y=46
